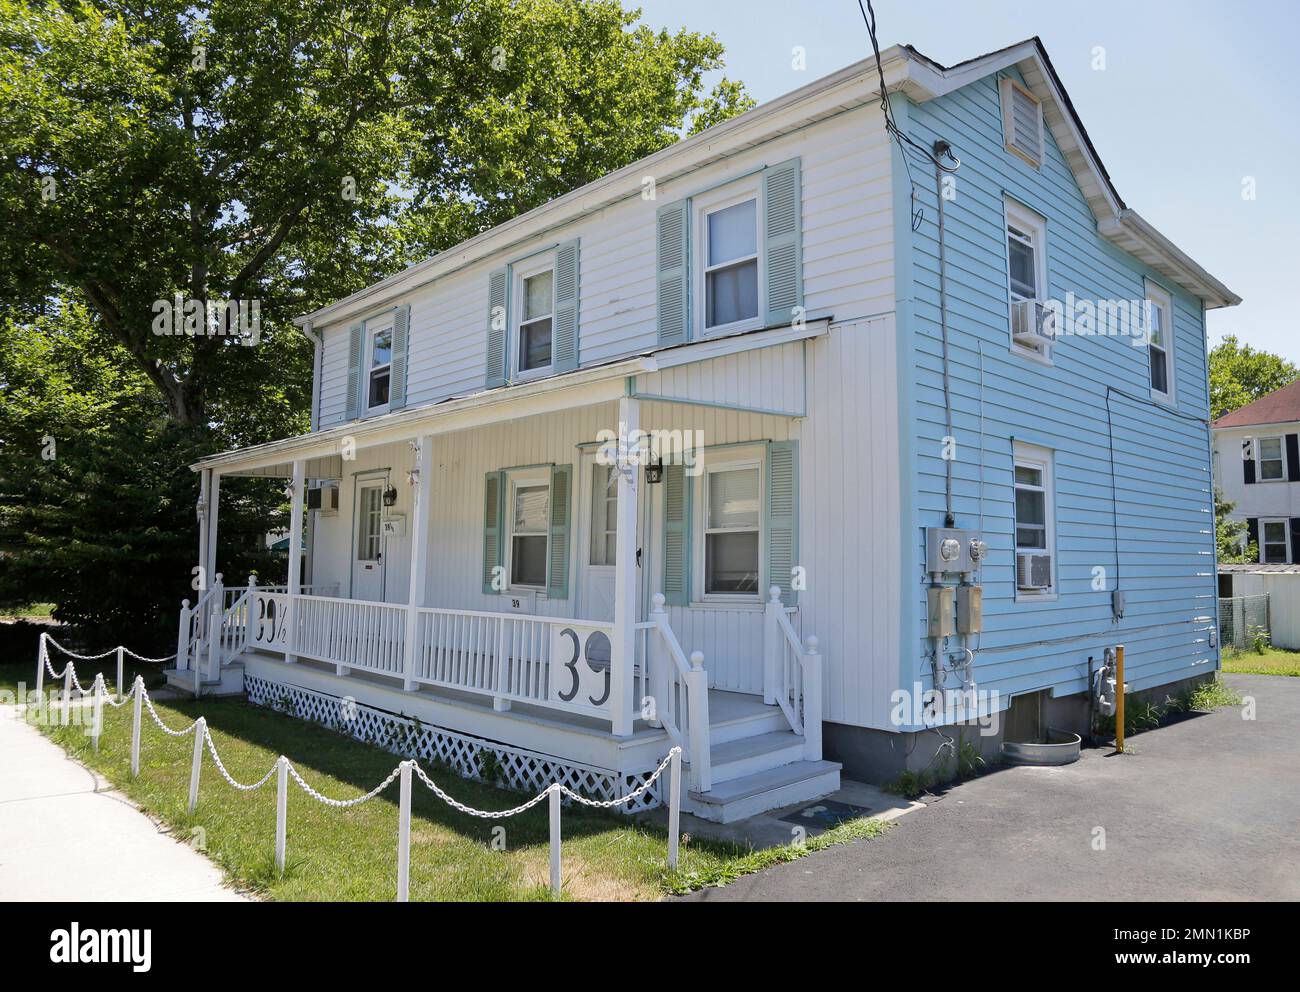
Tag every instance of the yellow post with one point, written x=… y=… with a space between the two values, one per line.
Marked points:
x=1119 y=698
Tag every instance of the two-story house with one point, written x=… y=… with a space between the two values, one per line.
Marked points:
x=1257 y=468
x=771 y=445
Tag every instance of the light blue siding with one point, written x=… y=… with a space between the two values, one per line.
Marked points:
x=1162 y=462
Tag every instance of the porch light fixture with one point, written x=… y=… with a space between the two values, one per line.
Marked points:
x=654 y=472
x=200 y=510
x=390 y=496
x=413 y=477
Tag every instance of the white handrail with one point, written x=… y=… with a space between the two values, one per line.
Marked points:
x=792 y=675
x=685 y=720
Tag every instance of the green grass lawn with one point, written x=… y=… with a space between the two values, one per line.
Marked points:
x=351 y=854
x=33 y=611
x=1274 y=661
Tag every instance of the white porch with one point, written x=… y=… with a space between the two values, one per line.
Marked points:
x=598 y=676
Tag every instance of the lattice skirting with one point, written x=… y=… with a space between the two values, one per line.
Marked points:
x=471 y=757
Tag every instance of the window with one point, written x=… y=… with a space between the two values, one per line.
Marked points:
x=604 y=514
x=1273 y=546
x=380 y=367
x=1271 y=467
x=1035 y=528
x=535 y=290
x=1160 y=343
x=732 y=508
x=1027 y=279
x=1022 y=122
x=528 y=519
x=731 y=268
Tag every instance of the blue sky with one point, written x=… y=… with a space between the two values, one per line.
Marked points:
x=1195 y=96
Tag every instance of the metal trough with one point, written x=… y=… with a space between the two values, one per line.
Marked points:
x=1061 y=748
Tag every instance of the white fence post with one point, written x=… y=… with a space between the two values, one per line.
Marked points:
x=674 y=805
x=812 y=701
x=119 y=672
x=404 y=834
x=697 y=685
x=138 y=689
x=556 y=881
x=200 y=728
x=183 y=637
x=281 y=810
x=40 y=663
x=771 y=645
x=67 y=693
x=97 y=716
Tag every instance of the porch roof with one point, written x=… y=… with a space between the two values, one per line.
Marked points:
x=321 y=450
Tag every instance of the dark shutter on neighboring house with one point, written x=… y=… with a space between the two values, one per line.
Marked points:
x=1252 y=534
x=1248 y=459
x=1293 y=458
x=1295 y=541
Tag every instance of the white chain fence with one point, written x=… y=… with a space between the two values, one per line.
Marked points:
x=402 y=772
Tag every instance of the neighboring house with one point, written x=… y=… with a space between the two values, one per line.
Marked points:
x=1257 y=468
x=769 y=298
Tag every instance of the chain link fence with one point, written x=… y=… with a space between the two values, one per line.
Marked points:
x=1244 y=619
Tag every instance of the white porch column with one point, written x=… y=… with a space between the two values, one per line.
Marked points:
x=214 y=509
x=204 y=510
x=420 y=508
x=295 y=552
x=621 y=681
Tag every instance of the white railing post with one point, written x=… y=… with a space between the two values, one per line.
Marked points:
x=216 y=620
x=67 y=693
x=41 y=649
x=812 y=701
x=556 y=880
x=404 y=834
x=97 y=714
x=183 y=638
x=138 y=690
x=697 y=694
x=499 y=701
x=294 y=587
x=772 y=646
x=120 y=665
x=656 y=660
x=420 y=487
x=200 y=729
x=674 y=805
x=281 y=810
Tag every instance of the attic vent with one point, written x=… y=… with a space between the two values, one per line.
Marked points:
x=1022 y=122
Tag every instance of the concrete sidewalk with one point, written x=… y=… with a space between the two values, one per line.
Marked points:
x=65 y=836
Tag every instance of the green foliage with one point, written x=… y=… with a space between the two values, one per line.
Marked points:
x=1230 y=535
x=1213 y=695
x=1239 y=375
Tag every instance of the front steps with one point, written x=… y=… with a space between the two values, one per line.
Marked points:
x=757 y=762
x=231 y=682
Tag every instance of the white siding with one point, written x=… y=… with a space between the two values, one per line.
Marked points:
x=847 y=263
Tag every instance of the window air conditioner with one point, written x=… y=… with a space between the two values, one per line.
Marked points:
x=1033 y=324
x=1033 y=571
x=324 y=499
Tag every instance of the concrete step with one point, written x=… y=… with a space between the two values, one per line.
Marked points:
x=739 y=798
x=749 y=755
x=734 y=716
x=231 y=682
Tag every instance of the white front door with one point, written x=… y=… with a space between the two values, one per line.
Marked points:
x=368 y=540
x=598 y=541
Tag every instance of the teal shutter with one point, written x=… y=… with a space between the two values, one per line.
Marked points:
x=673 y=265
x=677 y=535
x=782 y=518
x=354 y=371
x=564 y=339
x=782 y=226
x=397 y=372
x=498 y=322
x=493 y=549
x=557 y=569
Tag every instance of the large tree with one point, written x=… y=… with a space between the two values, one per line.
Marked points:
x=1240 y=374
x=291 y=151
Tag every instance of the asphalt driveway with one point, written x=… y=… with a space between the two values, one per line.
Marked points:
x=1207 y=807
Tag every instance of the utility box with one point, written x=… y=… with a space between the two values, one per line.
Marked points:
x=952 y=549
x=970 y=609
x=940 y=610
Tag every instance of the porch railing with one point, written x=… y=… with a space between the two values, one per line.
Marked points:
x=678 y=691
x=792 y=675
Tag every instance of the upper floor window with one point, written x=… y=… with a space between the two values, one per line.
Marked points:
x=1022 y=122
x=1027 y=280
x=1271 y=465
x=729 y=279
x=1160 y=335
x=379 y=349
x=528 y=522
x=535 y=291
